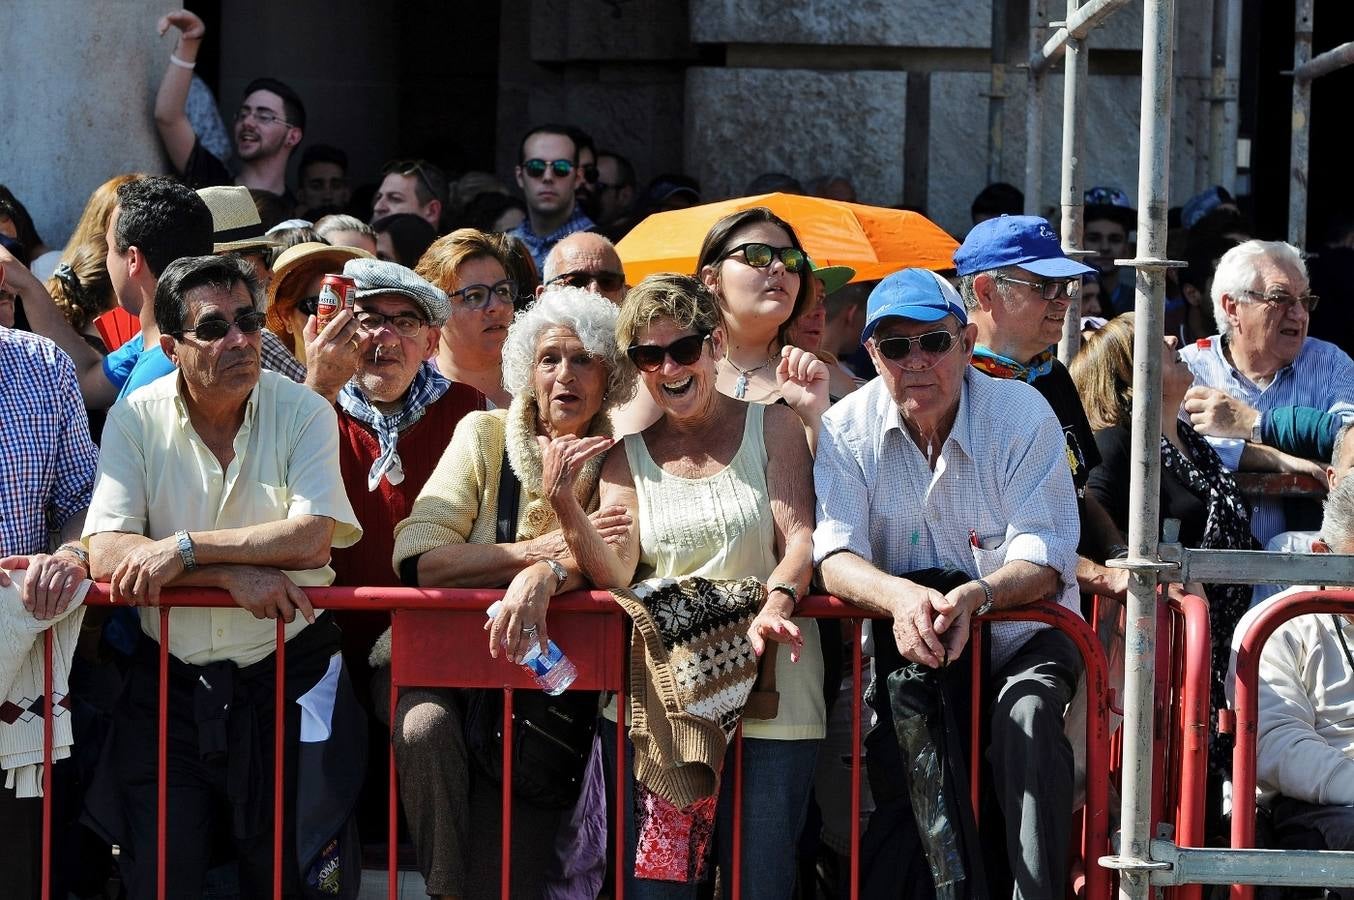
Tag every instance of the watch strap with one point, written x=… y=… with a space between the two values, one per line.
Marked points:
x=561 y=573
x=186 y=550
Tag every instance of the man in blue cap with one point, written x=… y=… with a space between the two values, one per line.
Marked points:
x=943 y=492
x=1015 y=281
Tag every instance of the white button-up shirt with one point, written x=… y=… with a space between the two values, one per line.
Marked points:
x=156 y=476
x=1002 y=478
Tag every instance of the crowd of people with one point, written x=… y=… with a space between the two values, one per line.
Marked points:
x=500 y=408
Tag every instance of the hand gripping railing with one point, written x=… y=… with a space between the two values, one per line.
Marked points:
x=592 y=628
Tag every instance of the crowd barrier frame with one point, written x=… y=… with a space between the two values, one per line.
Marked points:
x=424 y=617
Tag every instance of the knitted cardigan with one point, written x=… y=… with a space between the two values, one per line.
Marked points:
x=691 y=670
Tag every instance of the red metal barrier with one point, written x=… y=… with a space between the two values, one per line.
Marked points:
x=440 y=643
x=1247 y=704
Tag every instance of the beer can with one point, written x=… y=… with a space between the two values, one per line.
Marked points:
x=336 y=292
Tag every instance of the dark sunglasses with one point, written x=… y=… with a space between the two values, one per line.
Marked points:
x=759 y=256
x=590 y=174
x=684 y=352
x=1048 y=290
x=215 y=329
x=898 y=348
x=607 y=281
x=535 y=168
x=308 y=306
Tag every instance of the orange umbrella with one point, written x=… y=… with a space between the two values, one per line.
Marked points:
x=873 y=240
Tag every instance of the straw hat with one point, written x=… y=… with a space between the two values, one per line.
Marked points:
x=235 y=219
x=302 y=259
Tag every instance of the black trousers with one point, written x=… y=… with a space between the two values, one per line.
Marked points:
x=219 y=802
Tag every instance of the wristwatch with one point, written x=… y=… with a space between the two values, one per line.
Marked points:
x=77 y=550
x=186 y=550
x=1257 y=431
x=560 y=572
x=785 y=588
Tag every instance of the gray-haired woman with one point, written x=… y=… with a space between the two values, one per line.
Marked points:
x=563 y=369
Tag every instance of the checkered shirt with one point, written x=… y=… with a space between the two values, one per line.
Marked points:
x=1002 y=474
x=47 y=459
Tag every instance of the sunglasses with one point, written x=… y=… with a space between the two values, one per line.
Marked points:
x=1048 y=290
x=308 y=306
x=535 y=168
x=415 y=167
x=683 y=351
x=759 y=256
x=590 y=174
x=606 y=281
x=478 y=296
x=215 y=329
x=898 y=348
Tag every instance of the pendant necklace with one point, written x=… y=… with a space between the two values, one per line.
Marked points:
x=740 y=387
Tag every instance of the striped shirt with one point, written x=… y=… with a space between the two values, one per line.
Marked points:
x=1322 y=376
x=1002 y=476
x=46 y=458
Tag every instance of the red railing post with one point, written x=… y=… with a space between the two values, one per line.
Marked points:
x=857 y=760
x=505 y=863
x=48 y=739
x=279 y=729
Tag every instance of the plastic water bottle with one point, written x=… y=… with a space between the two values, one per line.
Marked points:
x=552 y=670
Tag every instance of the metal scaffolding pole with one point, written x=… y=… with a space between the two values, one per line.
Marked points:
x=1077 y=26
x=1135 y=854
x=1302 y=112
x=1034 y=116
x=996 y=98
x=1075 y=75
x=1226 y=72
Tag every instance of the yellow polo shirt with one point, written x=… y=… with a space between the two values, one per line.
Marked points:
x=156 y=476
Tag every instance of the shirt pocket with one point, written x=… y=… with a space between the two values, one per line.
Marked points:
x=989 y=554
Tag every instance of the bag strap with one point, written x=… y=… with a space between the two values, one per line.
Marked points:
x=508 y=489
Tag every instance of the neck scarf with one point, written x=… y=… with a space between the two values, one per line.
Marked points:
x=427 y=388
x=998 y=366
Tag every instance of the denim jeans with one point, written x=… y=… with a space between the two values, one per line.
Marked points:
x=777 y=778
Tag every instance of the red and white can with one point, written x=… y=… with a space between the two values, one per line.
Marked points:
x=336 y=292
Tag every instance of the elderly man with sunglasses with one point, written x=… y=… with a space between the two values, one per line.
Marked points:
x=223 y=476
x=549 y=174
x=586 y=260
x=943 y=492
x=1261 y=373
x=1015 y=281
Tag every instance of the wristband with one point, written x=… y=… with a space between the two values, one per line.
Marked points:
x=181 y=63
x=559 y=571
x=788 y=590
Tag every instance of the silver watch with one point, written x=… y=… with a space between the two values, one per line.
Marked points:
x=186 y=550
x=561 y=573
x=1257 y=430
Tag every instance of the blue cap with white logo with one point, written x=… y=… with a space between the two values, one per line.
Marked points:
x=1024 y=241
x=916 y=294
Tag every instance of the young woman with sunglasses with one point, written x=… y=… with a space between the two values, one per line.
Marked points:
x=472 y=268
x=707 y=498
x=754 y=264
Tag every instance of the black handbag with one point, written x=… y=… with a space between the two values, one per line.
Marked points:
x=551 y=736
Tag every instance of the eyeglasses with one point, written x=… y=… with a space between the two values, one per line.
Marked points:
x=478 y=296
x=406 y=325
x=419 y=168
x=898 y=348
x=262 y=116
x=684 y=352
x=590 y=173
x=308 y=306
x=759 y=256
x=1048 y=290
x=535 y=168
x=606 y=281
x=1284 y=300
x=214 y=329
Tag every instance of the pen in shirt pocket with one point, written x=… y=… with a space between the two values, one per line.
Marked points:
x=973 y=538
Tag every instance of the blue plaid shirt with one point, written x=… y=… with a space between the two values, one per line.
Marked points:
x=540 y=246
x=1322 y=376
x=46 y=457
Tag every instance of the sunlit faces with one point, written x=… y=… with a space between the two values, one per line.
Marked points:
x=229 y=364
x=568 y=381
x=925 y=385
x=807 y=331
x=399 y=194
x=395 y=339
x=1277 y=330
x=679 y=388
x=261 y=127
x=477 y=333
x=755 y=297
x=550 y=193
x=1107 y=240
x=1025 y=322
x=1176 y=377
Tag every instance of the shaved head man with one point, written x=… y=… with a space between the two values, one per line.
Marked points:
x=586 y=260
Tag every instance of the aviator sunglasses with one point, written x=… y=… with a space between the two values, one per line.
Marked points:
x=684 y=352
x=759 y=256
x=899 y=348
x=536 y=167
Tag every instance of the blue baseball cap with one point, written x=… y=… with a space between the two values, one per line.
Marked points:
x=1024 y=241
x=916 y=294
